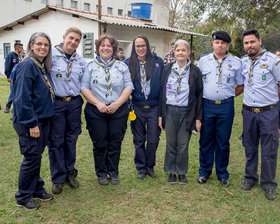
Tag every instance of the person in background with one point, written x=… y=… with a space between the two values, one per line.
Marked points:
x=12 y=59
x=120 y=55
x=106 y=85
x=261 y=70
x=277 y=52
x=169 y=57
x=145 y=69
x=33 y=98
x=66 y=73
x=222 y=81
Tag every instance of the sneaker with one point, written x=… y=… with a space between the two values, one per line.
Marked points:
x=141 y=175
x=72 y=180
x=7 y=110
x=115 y=180
x=31 y=205
x=270 y=194
x=152 y=174
x=202 y=179
x=44 y=197
x=103 y=181
x=57 y=188
x=172 y=179
x=224 y=182
x=182 y=179
x=247 y=186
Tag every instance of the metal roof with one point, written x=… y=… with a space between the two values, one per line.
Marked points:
x=105 y=19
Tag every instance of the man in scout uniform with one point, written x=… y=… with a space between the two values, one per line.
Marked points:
x=220 y=71
x=261 y=70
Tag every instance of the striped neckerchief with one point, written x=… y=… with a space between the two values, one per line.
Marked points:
x=220 y=67
x=45 y=77
x=253 y=61
x=69 y=61
x=180 y=76
x=106 y=67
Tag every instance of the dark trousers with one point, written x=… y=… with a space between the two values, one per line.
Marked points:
x=261 y=126
x=64 y=132
x=107 y=132
x=146 y=134
x=10 y=100
x=177 y=140
x=214 y=138
x=30 y=183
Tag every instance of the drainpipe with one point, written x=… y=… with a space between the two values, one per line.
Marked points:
x=99 y=18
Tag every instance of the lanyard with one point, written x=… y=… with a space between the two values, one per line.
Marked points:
x=108 y=80
x=179 y=77
x=45 y=77
x=69 y=61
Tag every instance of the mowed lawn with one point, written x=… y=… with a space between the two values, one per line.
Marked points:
x=133 y=200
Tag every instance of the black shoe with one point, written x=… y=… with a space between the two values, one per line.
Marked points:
x=72 y=180
x=115 y=180
x=172 y=179
x=224 y=182
x=141 y=175
x=7 y=110
x=57 y=188
x=152 y=174
x=247 y=186
x=202 y=179
x=182 y=179
x=103 y=181
x=31 y=205
x=270 y=194
x=43 y=197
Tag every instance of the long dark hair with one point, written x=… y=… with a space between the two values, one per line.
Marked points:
x=133 y=61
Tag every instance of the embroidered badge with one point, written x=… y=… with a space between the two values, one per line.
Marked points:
x=228 y=79
x=95 y=82
x=58 y=76
x=81 y=64
x=116 y=67
x=157 y=65
x=169 y=86
x=229 y=67
x=264 y=66
x=54 y=57
x=263 y=77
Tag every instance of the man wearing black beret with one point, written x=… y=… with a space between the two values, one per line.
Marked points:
x=220 y=71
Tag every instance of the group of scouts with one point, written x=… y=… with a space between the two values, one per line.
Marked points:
x=179 y=98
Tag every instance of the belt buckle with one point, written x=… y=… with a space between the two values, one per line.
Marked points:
x=146 y=107
x=67 y=99
x=256 y=110
x=218 y=101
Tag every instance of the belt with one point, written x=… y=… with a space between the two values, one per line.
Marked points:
x=259 y=109
x=66 y=98
x=144 y=107
x=218 y=101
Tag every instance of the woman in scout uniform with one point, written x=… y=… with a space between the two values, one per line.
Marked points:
x=66 y=72
x=106 y=85
x=33 y=108
x=180 y=110
x=145 y=69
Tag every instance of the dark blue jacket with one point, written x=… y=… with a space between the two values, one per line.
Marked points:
x=31 y=96
x=138 y=97
x=11 y=61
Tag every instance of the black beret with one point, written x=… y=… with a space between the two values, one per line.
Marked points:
x=221 y=35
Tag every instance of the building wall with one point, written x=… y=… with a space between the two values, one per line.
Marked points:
x=12 y=10
x=52 y=23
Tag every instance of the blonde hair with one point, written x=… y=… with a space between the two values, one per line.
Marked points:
x=73 y=29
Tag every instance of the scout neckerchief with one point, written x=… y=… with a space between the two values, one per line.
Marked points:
x=108 y=81
x=19 y=57
x=69 y=61
x=253 y=61
x=143 y=75
x=45 y=77
x=180 y=76
x=220 y=68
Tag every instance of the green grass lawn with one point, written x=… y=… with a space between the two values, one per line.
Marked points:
x=133 y=200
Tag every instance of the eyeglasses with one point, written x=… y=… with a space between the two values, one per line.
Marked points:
x=140 y=46
x=40 y=44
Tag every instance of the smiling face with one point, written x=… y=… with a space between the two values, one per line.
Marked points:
x=140 y=48
x=71 y=42
x=252 y=45
x=105 y=50
x=181 y=53
x=220 y=48
x=40 y=47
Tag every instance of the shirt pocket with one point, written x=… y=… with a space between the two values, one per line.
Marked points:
x=205 y=75
x=228 y=76
x=263 y=75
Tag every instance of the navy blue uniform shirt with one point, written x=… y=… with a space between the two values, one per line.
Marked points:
x=11 y=61
x=32 y=98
